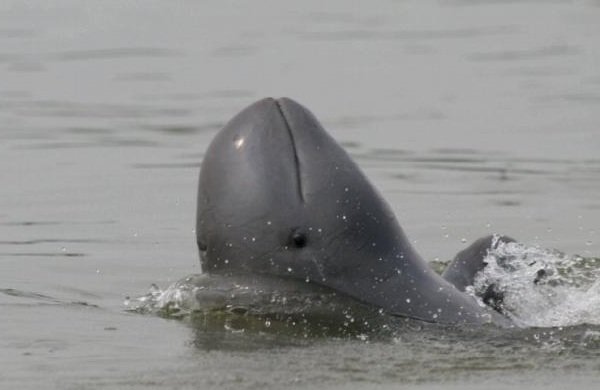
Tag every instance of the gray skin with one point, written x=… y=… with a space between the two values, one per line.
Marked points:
x=467 y=263
x=279 y=197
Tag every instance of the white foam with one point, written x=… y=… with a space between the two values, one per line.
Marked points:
x=543 y=288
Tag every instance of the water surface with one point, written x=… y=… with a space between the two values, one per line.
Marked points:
x=471 y=118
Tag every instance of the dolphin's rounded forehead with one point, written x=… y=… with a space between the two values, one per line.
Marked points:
x=250 y=163
x=274 y=163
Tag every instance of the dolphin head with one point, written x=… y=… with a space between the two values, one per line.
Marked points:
x=278 y=196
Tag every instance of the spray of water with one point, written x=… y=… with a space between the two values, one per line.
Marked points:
x=541 y=287
x=260 y=304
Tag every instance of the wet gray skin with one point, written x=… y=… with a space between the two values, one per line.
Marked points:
x=467 y=263
x=278 y=196
x=465 y=266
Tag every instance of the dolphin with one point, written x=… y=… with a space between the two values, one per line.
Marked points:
x=279 y=197
x=465 y=266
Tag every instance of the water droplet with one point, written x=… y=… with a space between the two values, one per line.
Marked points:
x=463 y=240
x=268 y=222
x=407 y=300
x=63 y=249
x=268 y=323
x=253 y=239
x=289 y=269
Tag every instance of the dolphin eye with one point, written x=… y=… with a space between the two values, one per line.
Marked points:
x=298 y=239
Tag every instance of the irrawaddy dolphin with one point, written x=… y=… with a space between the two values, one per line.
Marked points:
x=279 y=197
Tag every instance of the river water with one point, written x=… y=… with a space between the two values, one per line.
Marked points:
x=471 y=117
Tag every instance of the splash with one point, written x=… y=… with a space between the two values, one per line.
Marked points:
x=176 y=301
x=542 y=287
x=259 y=304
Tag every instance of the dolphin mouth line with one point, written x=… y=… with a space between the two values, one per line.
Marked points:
x=288 y=127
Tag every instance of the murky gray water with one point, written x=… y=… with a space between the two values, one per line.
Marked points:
x=472 y=117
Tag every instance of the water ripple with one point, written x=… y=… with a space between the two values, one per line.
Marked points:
x=526 y=54
x=116 y=53
x=51 y=240
x=411 y=35
x=42 y=254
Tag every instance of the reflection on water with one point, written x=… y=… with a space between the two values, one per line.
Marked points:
x=471 y=117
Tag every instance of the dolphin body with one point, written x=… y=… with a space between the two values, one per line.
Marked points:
x=279 y=197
